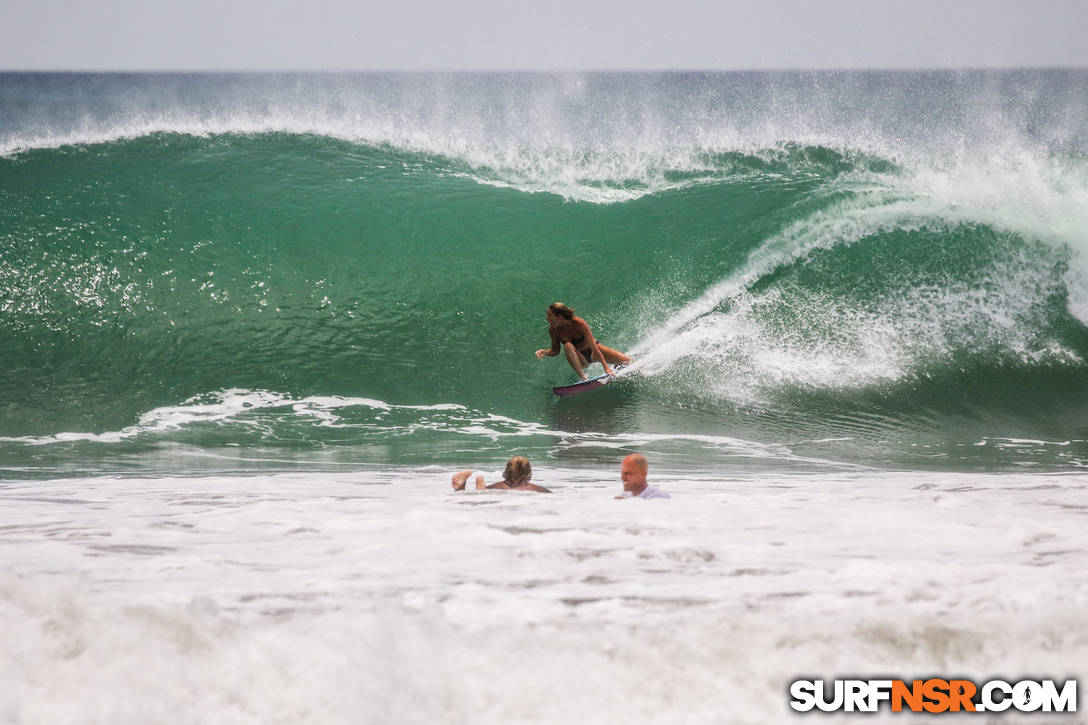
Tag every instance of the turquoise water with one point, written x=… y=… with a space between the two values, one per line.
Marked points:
x=813 y=270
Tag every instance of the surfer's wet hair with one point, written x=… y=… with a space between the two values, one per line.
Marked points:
x=561 y=310
x=518 y=471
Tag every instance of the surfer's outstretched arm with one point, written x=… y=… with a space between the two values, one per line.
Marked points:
x=551 y=351
x=600 y=353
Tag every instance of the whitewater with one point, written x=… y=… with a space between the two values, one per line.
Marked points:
x=252 y=323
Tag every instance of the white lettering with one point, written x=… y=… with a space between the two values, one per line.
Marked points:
x=856 y=695
x=879 y=691
x=989 y=704
x=1027 y=696
x=836 y=702
x=1065 y=701
x=804 y=695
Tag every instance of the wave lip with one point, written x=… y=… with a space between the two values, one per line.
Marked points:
x=596 y=137
x=803 y=309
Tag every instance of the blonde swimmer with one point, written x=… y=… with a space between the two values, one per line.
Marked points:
x=515 y=477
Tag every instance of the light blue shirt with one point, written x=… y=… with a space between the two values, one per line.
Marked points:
x=649 y=492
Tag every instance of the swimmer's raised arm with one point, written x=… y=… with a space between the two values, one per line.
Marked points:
x=461 y=477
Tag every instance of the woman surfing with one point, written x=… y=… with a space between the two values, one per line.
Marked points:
x=572 y=334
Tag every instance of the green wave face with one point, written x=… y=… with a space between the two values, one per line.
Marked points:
x=380 y=299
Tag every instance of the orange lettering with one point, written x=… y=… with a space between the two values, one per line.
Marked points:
x=911 y=695
x=961 y=693
x=936 y=691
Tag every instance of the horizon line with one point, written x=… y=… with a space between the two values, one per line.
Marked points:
x=543 y=71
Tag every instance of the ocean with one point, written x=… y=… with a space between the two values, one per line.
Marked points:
x=250 y=324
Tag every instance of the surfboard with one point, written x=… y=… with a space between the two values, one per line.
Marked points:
x=583 y=385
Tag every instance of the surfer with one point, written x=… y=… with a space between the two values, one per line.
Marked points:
x=515 y=477
x=633 y=474
x=572 y=334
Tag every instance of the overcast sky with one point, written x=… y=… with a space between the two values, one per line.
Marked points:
x=539 y=35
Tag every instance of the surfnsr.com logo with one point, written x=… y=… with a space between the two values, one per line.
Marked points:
x=933 y=695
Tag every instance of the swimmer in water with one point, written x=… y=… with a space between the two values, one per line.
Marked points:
x=516 y=477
